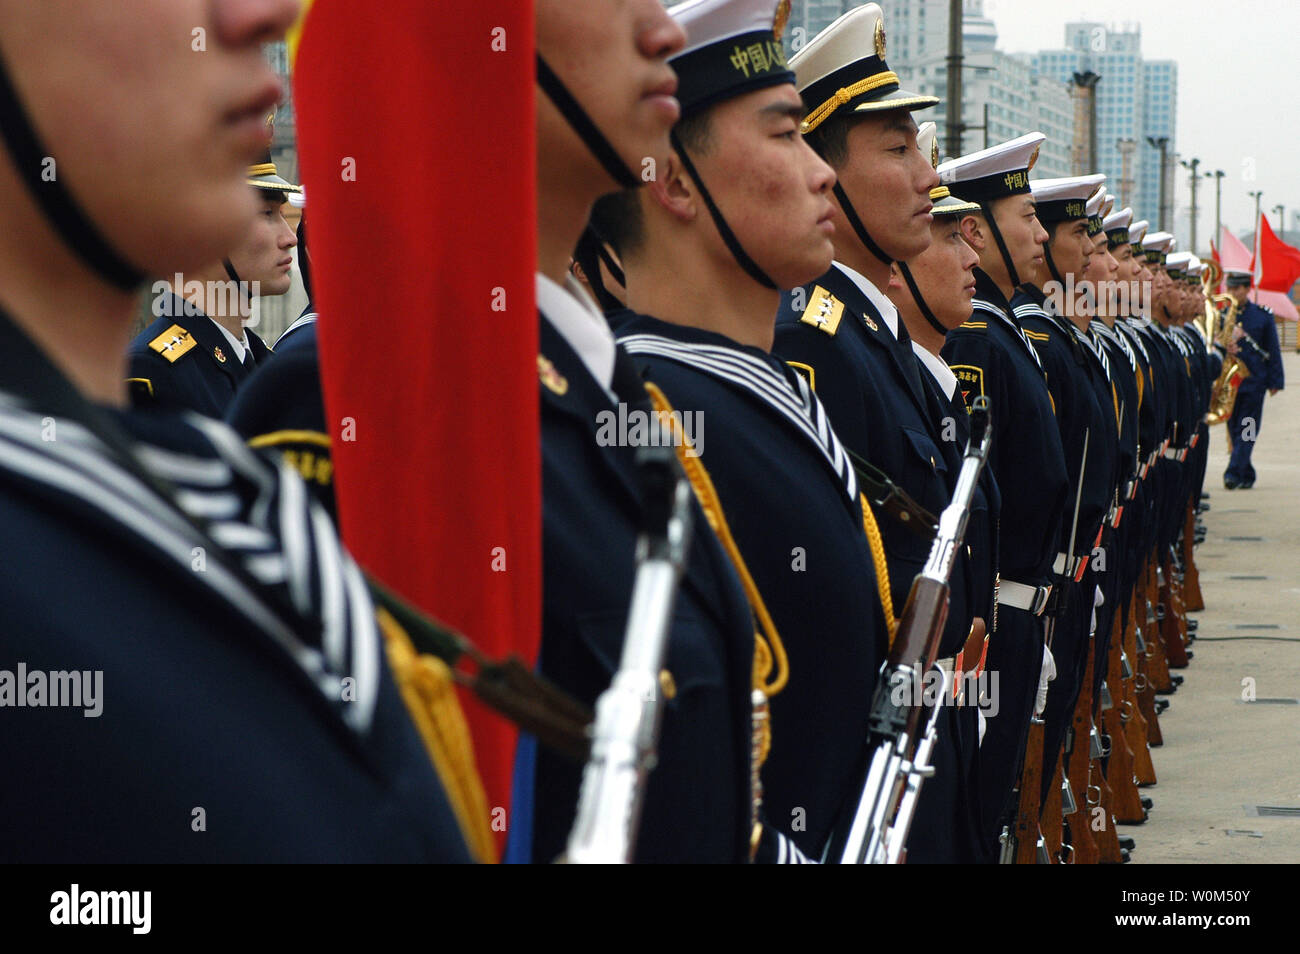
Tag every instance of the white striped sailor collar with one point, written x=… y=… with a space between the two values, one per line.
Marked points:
x=753 y=369
x=874 y=295
x=578 y=320
x=79 y=466
x=938 y=369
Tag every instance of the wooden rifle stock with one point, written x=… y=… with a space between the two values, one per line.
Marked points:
x=1026 y=831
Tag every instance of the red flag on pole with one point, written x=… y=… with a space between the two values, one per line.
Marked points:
x=1279 y=262
x=416 y=139
x=1233 y=254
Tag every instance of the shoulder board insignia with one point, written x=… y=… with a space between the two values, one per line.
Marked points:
x=824 y=311
x=140 y=387
x=970 y=379
x=172 y=343
x=554 y=381
x=807 y=371
x=972 y=323
x=1038 y=335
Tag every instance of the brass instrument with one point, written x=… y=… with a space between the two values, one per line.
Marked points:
x=1221 y=320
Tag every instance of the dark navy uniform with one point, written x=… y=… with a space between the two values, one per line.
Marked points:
x=281 y=407
x=1265 y=375
x=1079 y=384
x=870 y=383
x=991 y=356
x=224 y=735
x=698 y=800
x=183 y=361
x=790 y=495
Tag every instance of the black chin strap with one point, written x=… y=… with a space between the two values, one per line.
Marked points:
x=729 y=237
x=582 y=125
x=1002 y=246
x=926 y=313
x=859 y=229
x=33 y=164
x=589 y=254
x=1051 y=266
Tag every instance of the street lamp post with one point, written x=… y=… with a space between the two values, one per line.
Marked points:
x=1191 y=167
x=1161 y=143
x=1217 y=175
x=1281 y=221
x=1256 y=196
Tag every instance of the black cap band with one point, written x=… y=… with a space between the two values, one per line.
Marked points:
x=730 y=68
x=582 y=125
x=70 y=223
x=1117 y=238
x=1060 y=210
x=1000 y=185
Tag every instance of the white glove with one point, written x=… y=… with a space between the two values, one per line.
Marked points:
x=1045 y=675
x=1097 y=600
x=984 y=723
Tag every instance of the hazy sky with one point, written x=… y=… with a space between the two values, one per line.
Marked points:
x=1238 y=88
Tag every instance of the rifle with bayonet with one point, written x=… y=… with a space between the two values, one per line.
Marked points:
x=628 y=713
x=898 y=747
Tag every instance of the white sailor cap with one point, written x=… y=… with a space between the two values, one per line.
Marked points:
x=996 y=172
x=1194 y=268
x=1176 y=263
x=298 y=199
x=732 y=47
x=1116 y=226
x=843 y=69
x=1097 y=211
x=943 y=201
x=1137 y=230
x=1156 y=246
x=1059 y=200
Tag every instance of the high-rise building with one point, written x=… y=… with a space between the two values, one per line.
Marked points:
x=1002 y=96
x=1136 y=98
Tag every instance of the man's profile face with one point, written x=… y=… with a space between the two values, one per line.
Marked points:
x=264 y=254
x=945 y=273
x=612 y=55
x=1017 y=217
x=1071 y=247
x=770 y=186
x=888 y=181
x=179 y=87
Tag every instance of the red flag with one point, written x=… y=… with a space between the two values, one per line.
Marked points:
x=1279 y=262
x=416 y=137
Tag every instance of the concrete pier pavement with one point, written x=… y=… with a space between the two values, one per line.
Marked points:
x=1225 y=757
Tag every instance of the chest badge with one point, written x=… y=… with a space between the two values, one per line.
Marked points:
x=554 y=381
x=219 y=355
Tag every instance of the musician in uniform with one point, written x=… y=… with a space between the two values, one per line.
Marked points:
x=1262 y=356
x=990 y=355
x=200 y=350
x=740 y=210
x=239 y=720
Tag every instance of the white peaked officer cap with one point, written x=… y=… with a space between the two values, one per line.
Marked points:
x=843 y=69
x=942 y=200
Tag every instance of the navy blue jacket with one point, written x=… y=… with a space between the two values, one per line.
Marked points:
x=800 y=532
x=1265 y=373
x=697 y=805
x=871 y=385
x=183 y=362
x=990 y=356
x=215 y=741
